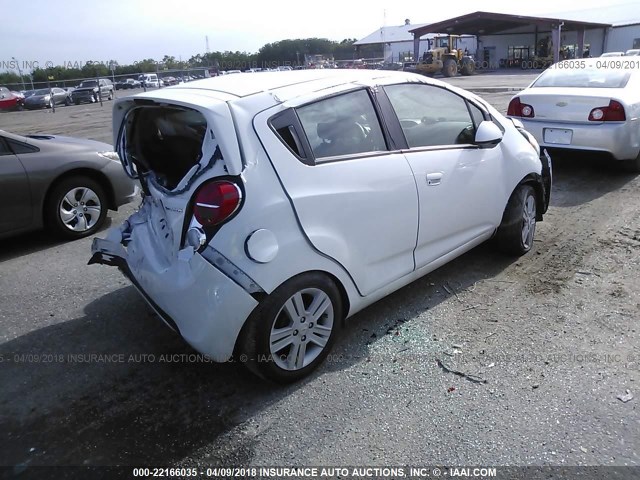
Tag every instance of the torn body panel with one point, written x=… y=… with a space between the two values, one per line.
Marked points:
x=205 y=111
x=200 y=301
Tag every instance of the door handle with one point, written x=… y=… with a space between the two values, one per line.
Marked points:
x=434 y=179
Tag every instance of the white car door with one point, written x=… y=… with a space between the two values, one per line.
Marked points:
x=355 y=200
x=459 y=184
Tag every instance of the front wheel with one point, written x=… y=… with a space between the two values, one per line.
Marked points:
x=450 y=68
x=76 y=208
x=291 y=332
x=517 y=230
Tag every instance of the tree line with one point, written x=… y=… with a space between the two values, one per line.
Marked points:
x=283 y=52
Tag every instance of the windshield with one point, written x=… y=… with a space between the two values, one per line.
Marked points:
x=586 y=78
x=88 y=83
x=44 y=91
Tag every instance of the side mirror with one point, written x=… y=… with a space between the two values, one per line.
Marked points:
x=488 y=135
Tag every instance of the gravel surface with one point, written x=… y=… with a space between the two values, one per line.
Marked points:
x=547 y=343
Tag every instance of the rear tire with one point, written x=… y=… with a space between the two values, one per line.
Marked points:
x=292 y=330
x=468 y=67
x=75 y=208
x=517 y=230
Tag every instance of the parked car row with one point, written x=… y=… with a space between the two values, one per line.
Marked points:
x=88 y=91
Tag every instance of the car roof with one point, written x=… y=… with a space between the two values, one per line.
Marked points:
x=288 y=84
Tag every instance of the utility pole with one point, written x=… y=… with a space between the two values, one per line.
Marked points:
x=19 y=72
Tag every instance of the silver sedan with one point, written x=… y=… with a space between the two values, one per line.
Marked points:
x=66 y=184
x=588 y=105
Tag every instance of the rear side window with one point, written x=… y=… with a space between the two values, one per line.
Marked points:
x=287 y=127
x=345 y=124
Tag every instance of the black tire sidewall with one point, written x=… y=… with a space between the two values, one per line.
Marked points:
x=255 y=345
x=447 y=70
x=509 y=235
x=54 y=200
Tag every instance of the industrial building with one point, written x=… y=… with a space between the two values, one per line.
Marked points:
x=397 y=42
x=500 y=40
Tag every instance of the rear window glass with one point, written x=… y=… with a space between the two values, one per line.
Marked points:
x=346 y=124
x=583 y=78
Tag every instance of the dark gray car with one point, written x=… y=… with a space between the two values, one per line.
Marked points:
x=47 y=98
x=63 y=183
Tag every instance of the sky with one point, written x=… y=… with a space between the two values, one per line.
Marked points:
x=76 y=31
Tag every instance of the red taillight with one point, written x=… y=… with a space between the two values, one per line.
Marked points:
x=519 y=109
x=614 y=112
x=216 y=201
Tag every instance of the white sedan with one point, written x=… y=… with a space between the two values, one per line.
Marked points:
x=276 y=206
x=588 y=105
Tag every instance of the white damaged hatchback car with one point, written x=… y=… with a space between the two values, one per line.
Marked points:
x=276 y=206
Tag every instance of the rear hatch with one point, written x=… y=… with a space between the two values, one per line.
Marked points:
x=176 y=147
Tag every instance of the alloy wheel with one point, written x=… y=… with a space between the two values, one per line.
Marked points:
x=80 y=209
x=528 y=221
x=301 y=329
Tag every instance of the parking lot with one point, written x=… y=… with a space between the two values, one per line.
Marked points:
x=542 y=346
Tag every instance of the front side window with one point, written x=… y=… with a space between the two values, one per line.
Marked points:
x=346 y=124
x=431 y=116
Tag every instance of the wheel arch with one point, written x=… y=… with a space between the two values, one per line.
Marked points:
x=344 y=296
x=535 y=180
x=95 y=175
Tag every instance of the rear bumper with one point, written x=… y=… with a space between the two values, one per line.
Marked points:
x=620 y=140
x=192 y=296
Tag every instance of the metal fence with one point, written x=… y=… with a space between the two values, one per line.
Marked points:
x=74 y=82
